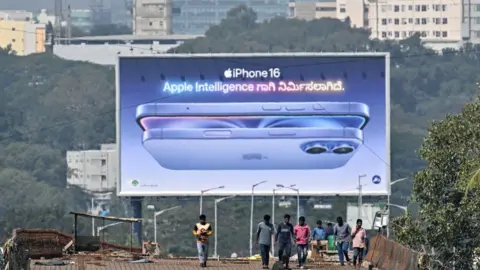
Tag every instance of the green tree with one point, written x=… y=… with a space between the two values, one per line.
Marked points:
x=448 y=216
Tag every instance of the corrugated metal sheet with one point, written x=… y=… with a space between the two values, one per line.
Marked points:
x=386 y=254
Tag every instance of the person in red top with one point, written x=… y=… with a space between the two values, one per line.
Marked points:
x=302 y=236
x=358 y=243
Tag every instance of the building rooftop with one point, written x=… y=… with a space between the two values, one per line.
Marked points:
x=132 y=38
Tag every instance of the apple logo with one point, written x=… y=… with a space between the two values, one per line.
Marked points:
x=227 y=73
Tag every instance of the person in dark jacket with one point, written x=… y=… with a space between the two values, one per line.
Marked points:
x=284 y=239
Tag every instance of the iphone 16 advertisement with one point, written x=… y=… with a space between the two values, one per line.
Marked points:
x=188 y=123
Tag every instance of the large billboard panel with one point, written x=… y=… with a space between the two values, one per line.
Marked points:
x=187 y=123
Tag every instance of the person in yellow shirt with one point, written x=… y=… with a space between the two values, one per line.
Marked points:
x=202 y=230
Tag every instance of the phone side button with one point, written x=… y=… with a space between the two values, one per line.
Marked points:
x=282 y=133
x=217 y=133
x=295 y=108
x=271 y=107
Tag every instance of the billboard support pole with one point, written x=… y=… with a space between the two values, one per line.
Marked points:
x=360 y=198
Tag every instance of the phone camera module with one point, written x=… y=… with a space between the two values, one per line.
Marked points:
x=343 y=149
x=314 y=148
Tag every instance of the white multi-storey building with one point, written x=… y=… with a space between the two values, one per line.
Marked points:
x=93 y=170
x=440 y=23
x=152 y=17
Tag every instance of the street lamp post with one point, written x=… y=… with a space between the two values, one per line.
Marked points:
x=360 y=198
x=155 y=219
x=291 y=187
x=215 y=234
x=389 y=194
x=251 y=215
x=273 y=215
x=101 y=228
x=205 y=191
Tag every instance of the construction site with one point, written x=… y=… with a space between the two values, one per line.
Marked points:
x=35 y=249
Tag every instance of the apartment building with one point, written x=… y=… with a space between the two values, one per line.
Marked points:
x=310 y=10
x=438 y=22
x=471 y=21
x=93 y=170
x=152 y=17
x=25 y=37
x=355 y=11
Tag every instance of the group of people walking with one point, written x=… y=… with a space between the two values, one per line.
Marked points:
x=286 y=236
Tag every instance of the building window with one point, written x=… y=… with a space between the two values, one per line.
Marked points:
x=477 y=34
x=13 y=40
x=104 y=177
x=383 y=8
x=325 y=9
x=104 y=162
x=444 y=34
x=292 y=12
x=404 y=21
x=342 y=10
x=424 y=8
x=384 y=21
x=417 y=8
x=417 y=20
x=396 y=8
x=437 y=33
x=403 y=8
x=150 y=23
x=444 y=20
x=410 y=7
x=477 y=20
x=404 y=34
x=410 y=20
x=424 y=20
x=397 y=34
x=397 y=21
x=424 y=34
x=384 y=34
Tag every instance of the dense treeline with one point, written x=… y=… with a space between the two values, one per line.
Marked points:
x=49 y=105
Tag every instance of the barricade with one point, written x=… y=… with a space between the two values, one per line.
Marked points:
x=386 y=254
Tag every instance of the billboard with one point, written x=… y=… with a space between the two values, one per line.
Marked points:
x=187 y=123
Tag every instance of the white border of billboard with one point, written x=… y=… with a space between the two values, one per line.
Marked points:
x=248 y=192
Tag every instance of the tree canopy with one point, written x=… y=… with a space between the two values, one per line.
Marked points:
x=49 y=105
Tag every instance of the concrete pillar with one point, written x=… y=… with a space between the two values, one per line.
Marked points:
x=303 y=206
x=136 y=203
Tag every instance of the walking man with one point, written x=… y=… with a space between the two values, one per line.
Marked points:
x=358 y=242
x=284 y=240
x=265 y=232
x=319 y=236
x=302 y=235
x=342 y=239
x=202 y=230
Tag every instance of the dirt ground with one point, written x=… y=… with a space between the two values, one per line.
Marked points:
x=169 y=265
